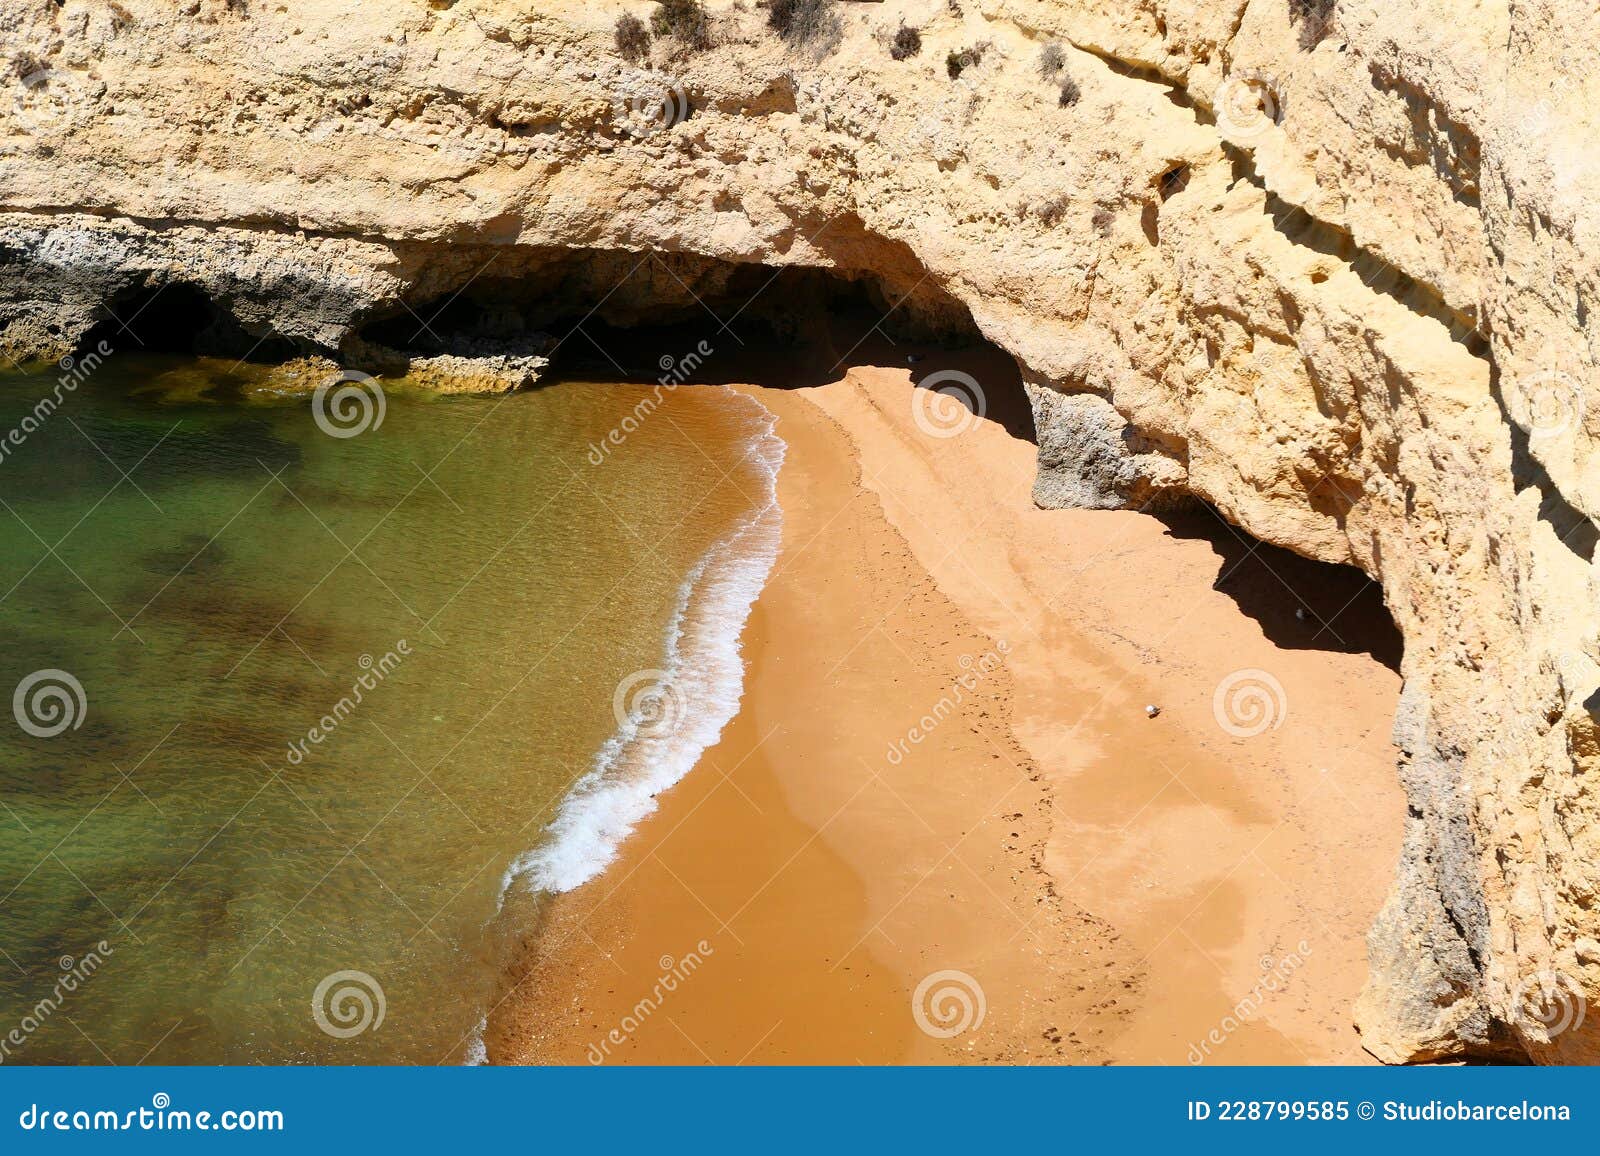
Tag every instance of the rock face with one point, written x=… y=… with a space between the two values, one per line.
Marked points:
x=1327 y=266
x=1090 y=458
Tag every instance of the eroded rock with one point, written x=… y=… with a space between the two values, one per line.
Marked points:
x=1332 y=277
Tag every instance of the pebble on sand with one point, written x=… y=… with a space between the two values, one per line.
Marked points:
x=1152 y=710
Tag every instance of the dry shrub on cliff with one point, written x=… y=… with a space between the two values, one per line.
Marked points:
x=26 y=64
x=803 y=21
x=633 y=38
x=1052 y=212
x=684 y=21
x=1069 y=92
x=1052 y=59
x=958 y=62
x=1313 y=20
x=907 y=43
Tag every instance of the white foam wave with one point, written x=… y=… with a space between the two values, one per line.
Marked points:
x=704 y=668
x=477 y=1053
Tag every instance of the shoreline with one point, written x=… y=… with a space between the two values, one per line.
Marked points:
x=667 y=717
x=815 y=882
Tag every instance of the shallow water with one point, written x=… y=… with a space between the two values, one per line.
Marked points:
x=335 y=690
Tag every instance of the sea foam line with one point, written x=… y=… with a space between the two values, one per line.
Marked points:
x=704 y=669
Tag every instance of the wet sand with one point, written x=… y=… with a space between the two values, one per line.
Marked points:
x=1104 y=886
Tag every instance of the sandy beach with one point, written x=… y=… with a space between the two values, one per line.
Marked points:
x=942 y=827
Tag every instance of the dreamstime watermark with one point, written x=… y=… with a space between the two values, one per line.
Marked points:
x=1247 y=104
x=1545 y=404
x=374 y=671
x=966 y=66
x=161 y=1116
x=1549 y=1003
x=948 y=1003
x=1275 y=975
x=648 y=703
x=74 y=372
x=973 y=672
x=347 y=1003
x=1249 y=702
x=1550 y=137
x=1556 y=92
x=674 y=372
x=644 y=101
x=343 y=128
x=48 y=702
x=74 y=973
x=674 y=972
x=349 y=405
x=939 y=137
x=948 y=403
x=650 y=102
x=46 y=100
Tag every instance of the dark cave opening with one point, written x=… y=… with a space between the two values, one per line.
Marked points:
x=602 y=292
x=597 y=315
x=804 y=351
x=166 y=318
x=660 y=318
x=1299 y=603
x=179 y=317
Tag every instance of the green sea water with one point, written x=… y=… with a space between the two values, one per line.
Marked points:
x=341 y=696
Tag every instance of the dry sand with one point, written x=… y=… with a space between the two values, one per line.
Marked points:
x=1110 y=887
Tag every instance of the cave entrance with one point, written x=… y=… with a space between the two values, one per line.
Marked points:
x=677 y=318
x=159 y=319
x=179 y=317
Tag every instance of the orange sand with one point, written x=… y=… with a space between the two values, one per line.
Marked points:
x=1112 y=888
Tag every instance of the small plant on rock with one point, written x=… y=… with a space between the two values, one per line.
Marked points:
x=633 y=38
x=1052 y=59
x=1069 y=92
x=1313 y=20
x=1052 y=212
x=907 y=43
x=958 y=62
x=684 y=21
x=801 y=21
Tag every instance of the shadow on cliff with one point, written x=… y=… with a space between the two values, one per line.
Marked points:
x=814 y=349
x=1300 y=604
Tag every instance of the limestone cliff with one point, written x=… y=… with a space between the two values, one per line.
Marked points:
x=1322 y=264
